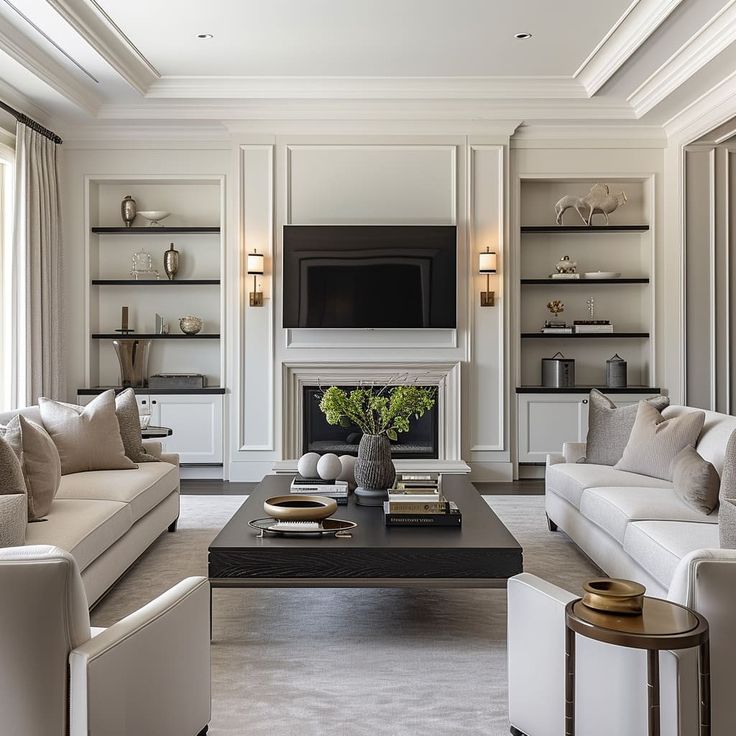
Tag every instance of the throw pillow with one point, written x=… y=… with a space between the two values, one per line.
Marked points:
x=655 y=441
x=727 y=511
x=39 y=461
x=609 y=427
x=126 y=409
x=696 y=481
x=13 y=503
x=87 y=437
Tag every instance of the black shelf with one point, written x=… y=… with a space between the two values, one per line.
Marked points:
x=582 y=335
x=587 y=282
x=154 y=282
x=587 y=389
x=95 y=390
x=153 y=230
x=155 y=336
x=584 y=228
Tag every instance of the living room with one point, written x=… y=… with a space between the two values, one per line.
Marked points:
x=452 y=264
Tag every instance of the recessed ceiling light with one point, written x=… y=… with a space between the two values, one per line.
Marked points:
x=522 y=36
x=205 y=35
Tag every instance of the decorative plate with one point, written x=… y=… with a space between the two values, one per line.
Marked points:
x=602 y=275
x=326 y=528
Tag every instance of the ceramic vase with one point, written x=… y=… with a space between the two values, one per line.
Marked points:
x=374 y=470
x=171 y=262
x=128 y=210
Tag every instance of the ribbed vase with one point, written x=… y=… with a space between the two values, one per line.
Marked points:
x=374 y=468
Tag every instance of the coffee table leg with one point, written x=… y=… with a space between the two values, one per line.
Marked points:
x=569 y=682
x=653 y=691
x=704 y=667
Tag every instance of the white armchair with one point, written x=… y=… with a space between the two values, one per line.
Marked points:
x=148 y=674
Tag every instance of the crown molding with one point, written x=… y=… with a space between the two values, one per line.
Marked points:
x=366 y=88
x=20 y=102
x=96 y=27
x=703 y=46
x=47 y=69
x=640 y=20
x=629 y=135
x=164 y=134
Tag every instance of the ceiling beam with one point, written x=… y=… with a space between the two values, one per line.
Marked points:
x=640 y=20
x=47 y=69
x=96 y=27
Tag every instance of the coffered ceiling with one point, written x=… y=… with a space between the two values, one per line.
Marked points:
x=85 y=63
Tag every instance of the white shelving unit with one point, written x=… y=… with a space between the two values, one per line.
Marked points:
x=195 y=227
x=547 y=417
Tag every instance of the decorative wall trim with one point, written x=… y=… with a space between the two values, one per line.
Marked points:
x=638 y=22
x=703 y=46
x=369 y=339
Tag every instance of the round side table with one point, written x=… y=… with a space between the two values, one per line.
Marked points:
x=661 y=625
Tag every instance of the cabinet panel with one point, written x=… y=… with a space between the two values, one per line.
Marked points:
x=196 y=422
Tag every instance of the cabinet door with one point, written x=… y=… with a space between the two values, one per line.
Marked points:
x=548 y=420
x=196 y=421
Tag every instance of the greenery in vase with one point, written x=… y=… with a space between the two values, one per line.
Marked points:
x=386 y=411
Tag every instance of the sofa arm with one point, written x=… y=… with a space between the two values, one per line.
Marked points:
x=574 y=451
x=149 y=673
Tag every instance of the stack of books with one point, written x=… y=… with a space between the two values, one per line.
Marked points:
x=337 y=489
x=416 y=499
x=593 y=325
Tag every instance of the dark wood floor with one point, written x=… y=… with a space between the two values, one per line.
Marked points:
x=221 y=487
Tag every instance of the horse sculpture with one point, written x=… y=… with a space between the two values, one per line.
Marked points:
x=598 y=201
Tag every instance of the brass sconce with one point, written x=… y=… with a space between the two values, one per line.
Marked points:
x=255 y=269
x=487 y=265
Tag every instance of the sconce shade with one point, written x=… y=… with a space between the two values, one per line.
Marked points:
x=487 y=262
x=255 y=264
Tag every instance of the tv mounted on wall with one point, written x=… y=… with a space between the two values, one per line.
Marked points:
x=370 y=276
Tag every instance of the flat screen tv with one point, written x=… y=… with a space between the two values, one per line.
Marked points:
x=370 y=276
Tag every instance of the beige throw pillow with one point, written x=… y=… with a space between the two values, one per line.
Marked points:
x=13 y=503
x=39 y=461
x=727 y=495
x=655 y=441
x=696 y=481
x=87 y=437
x=126 y=409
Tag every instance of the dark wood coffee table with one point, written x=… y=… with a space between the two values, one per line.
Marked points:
x=480 y=554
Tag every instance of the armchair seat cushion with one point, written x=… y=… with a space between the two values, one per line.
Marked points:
x=658 y=546
x=83 y=528
x=569 y=480
x=612 y=509
x=142 y=489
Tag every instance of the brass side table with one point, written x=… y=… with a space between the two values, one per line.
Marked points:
x=662 y=625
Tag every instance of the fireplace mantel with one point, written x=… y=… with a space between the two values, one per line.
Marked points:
x=444 y=375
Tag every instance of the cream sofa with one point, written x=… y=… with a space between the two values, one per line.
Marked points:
x=107 y=518
x=632 y=526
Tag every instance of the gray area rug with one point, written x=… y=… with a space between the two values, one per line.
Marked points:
x=353 y=662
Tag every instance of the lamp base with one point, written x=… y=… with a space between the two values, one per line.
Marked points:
x=488 y=298
x=256 y=298
x=370 y=496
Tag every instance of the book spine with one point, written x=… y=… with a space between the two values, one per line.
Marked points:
x=408 y=507
x=424 y=520
x=413 y=498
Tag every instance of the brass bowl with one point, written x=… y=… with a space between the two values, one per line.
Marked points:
x=613 y=595
x=300 y=508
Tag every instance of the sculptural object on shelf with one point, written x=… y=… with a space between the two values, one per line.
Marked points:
x=577 y=203
x=601 y=201
x=565 y=265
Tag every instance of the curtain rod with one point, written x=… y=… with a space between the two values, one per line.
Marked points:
x=32 y=124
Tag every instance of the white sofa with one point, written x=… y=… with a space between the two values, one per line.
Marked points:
x=632 y=526
x=107 y=518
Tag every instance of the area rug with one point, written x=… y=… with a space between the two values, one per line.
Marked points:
x=351 y=662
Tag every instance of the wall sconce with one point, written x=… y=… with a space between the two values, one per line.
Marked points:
x=255 y=269
x=487 y=265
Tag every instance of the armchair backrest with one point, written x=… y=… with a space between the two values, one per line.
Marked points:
x=43 y=616
x=30 y=412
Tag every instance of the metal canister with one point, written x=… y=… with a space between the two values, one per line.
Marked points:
x=616 y=372
x=558 y=371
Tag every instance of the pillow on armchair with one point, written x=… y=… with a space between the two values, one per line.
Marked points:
x=727 y=509
x=13 y=502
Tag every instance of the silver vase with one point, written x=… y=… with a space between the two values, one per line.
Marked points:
x=133 y=358
x=171 y=262
x=374 y=470
x=128 y=210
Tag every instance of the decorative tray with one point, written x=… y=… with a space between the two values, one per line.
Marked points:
x=325 y=528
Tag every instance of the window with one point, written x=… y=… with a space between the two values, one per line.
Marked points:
x=6 y=225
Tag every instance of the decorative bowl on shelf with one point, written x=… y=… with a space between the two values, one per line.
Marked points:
x=300 y=508
x=190 y=325
x=154 y=217
x=602 y=275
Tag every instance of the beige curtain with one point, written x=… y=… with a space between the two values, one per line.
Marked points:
x=37 y=362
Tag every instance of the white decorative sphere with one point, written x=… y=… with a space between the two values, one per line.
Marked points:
x=329 y=466
x=348 y=469
x=307 y=465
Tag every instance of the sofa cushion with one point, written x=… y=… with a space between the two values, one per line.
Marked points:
x=613 y=508
x=569 y=480
x=83 y=528
x=143 y=488
x=658 y=546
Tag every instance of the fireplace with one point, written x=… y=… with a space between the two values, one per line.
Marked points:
x=420 y=442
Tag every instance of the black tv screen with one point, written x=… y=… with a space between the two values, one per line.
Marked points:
x=370 y=276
